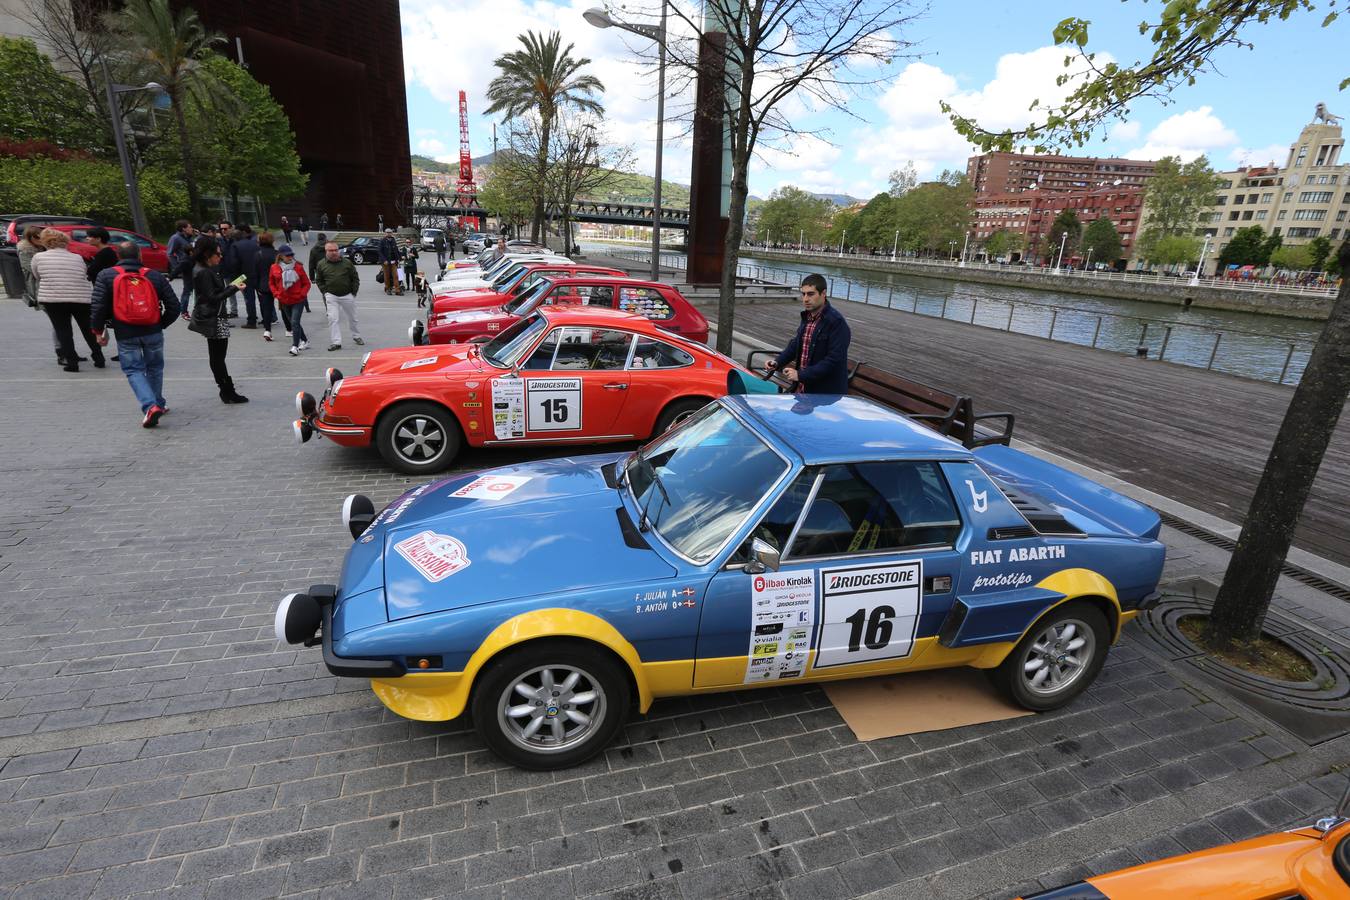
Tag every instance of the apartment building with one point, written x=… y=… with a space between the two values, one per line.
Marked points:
x=1011 y=173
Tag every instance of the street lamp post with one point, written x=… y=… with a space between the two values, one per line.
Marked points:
x=895 y=246
x=1063 y=239
x=801 y=236
x=128 y=174
x=841 y=243
x=1195 y=276
x=1087 y=266
x=951 y=252
x=600 y=18
x=963 y=248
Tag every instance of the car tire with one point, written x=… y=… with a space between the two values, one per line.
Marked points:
x=1074 y=633
x=677 y=412
x=418 y=438
x=532 y=734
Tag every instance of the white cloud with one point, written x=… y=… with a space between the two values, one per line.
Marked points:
x=1186 y=134
x=428 y=146
x=796 y=153
x=1123 y=133
x=1260 y=156
x=917 y=129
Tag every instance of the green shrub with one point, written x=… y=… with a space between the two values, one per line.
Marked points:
x=79 y=187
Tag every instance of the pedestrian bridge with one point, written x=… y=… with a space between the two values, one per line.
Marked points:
x=429 y=208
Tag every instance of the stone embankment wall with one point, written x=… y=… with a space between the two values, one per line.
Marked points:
x=1300 y=306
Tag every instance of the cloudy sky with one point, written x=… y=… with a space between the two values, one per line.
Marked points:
x=989 y=58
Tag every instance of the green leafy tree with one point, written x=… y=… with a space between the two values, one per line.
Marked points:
x=1295 y=258
x=876 y=222
x=843 y=230
x=38 y=103
x=1319 y=248
x=933 y=215
x=508 y=189
x=1185 y=36
x=172 y=50
x=1273 y=243
x=1003 y=243
x=89 y=187
x=540 y=79
x=1066 y=228
x=1176 y=195
x=791 y=214
x=1176 y=250
x=904 y=179
x=1247 y=248
x=251 y=148
x=1101 y=238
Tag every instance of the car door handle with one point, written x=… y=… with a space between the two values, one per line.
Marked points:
x=616 y=386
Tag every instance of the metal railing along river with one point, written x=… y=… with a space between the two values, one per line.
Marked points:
x=1234 y=351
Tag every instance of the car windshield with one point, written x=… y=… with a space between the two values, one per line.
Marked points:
x=695 y=486
x=522 y=302
x=507 y=348
x=507 y=274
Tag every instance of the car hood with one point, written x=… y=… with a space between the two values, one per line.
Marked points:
x=423 y=360
x=471 y=317
x=522 y=531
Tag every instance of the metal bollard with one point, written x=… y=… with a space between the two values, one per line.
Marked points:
x=1288 y=358
x=890 y=295
x=1214 y=352
x=1141 y=351
x=849 y=295
x=1011 y=308
x=1167 y=336
x=974 y=306
x=1096 y=331
x=1054 y=317
x=944 y=309
x=867 y=296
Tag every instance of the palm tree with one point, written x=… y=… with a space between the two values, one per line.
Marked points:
x=542 y=78
x=169 y=49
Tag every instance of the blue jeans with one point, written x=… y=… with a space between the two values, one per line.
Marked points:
x=251 y=303
x=186 y=296
x=142 y=360
x=297 y=330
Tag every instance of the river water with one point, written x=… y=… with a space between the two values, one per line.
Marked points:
x=1239 y=343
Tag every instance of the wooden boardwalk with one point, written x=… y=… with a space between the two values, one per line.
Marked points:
x=1198 y=437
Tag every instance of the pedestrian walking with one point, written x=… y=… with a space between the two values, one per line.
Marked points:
x=105 y=258
x=63 y=291
x=30 y=245
x=261 y=276
x=389 y=259
x=379 y=222
x=208 y=318
x=438 y=244
x=315 y=254
x=286 y=228
x=338 y=224
x=303 y=227
x=450 y=246
x=139 y=303
x=323 y=220
x=339 y=282
x=290 y=284
x=180 y=260
x=409 y=267
x=246 y=249
x=816 y=360
x=229 y=265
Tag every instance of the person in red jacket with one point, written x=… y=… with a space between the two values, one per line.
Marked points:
x=290 y=285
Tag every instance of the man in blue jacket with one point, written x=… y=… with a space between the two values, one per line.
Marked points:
x=816 y=361
x=140 y=348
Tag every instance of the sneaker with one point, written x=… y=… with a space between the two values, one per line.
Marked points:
x=358 y=341
x=304 y=345
x=294 y=351
x=267 y=335
x=152 y=417
x=288 y=333
x=332 y=347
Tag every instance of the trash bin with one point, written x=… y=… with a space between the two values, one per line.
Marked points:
x=11 y=272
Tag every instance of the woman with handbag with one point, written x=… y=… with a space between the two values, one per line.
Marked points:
x=212 y=292
x=290 y=285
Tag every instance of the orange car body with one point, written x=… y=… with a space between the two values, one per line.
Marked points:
x=1300 y=863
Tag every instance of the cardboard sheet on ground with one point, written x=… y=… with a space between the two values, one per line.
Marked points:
x=891 y=705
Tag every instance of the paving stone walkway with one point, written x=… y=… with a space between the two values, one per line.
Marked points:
x=155 y=739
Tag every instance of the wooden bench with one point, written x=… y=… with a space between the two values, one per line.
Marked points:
x=949 y=414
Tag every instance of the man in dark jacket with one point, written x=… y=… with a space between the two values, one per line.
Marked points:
x=105 y=258
x=246 y=250
x=180 y=258
x=140 y=348
x=816 y=361
x=389 y=258
x=229 y=264
x=438 y=244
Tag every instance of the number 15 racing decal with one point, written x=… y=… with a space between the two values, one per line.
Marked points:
x=868 y=613
x=553 y=404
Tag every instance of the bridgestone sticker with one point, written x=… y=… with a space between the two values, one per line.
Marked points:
x=508 y=408
x=782 y=612
x=491 y=487
x=436 y=556
x=424 y=361
x=554 y=404
x=868 y=613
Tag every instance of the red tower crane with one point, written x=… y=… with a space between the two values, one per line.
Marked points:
x=465 y=188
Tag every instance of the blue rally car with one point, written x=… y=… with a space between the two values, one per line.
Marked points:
x=766 y=540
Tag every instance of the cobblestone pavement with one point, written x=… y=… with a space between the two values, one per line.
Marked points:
x=154 y=738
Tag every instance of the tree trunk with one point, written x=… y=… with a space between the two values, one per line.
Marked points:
x=1254 y=568
x=234 y=202
x=185 y=149
x=545 y=133
x=731 y=258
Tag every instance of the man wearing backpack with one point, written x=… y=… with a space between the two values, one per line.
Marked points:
x=139 y=303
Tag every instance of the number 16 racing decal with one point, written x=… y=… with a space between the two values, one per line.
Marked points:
x=782 y=611
x=868 y=613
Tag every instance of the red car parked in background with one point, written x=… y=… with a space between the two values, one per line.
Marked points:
x=661 y=303
x=153 y=254
x=512 y=284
